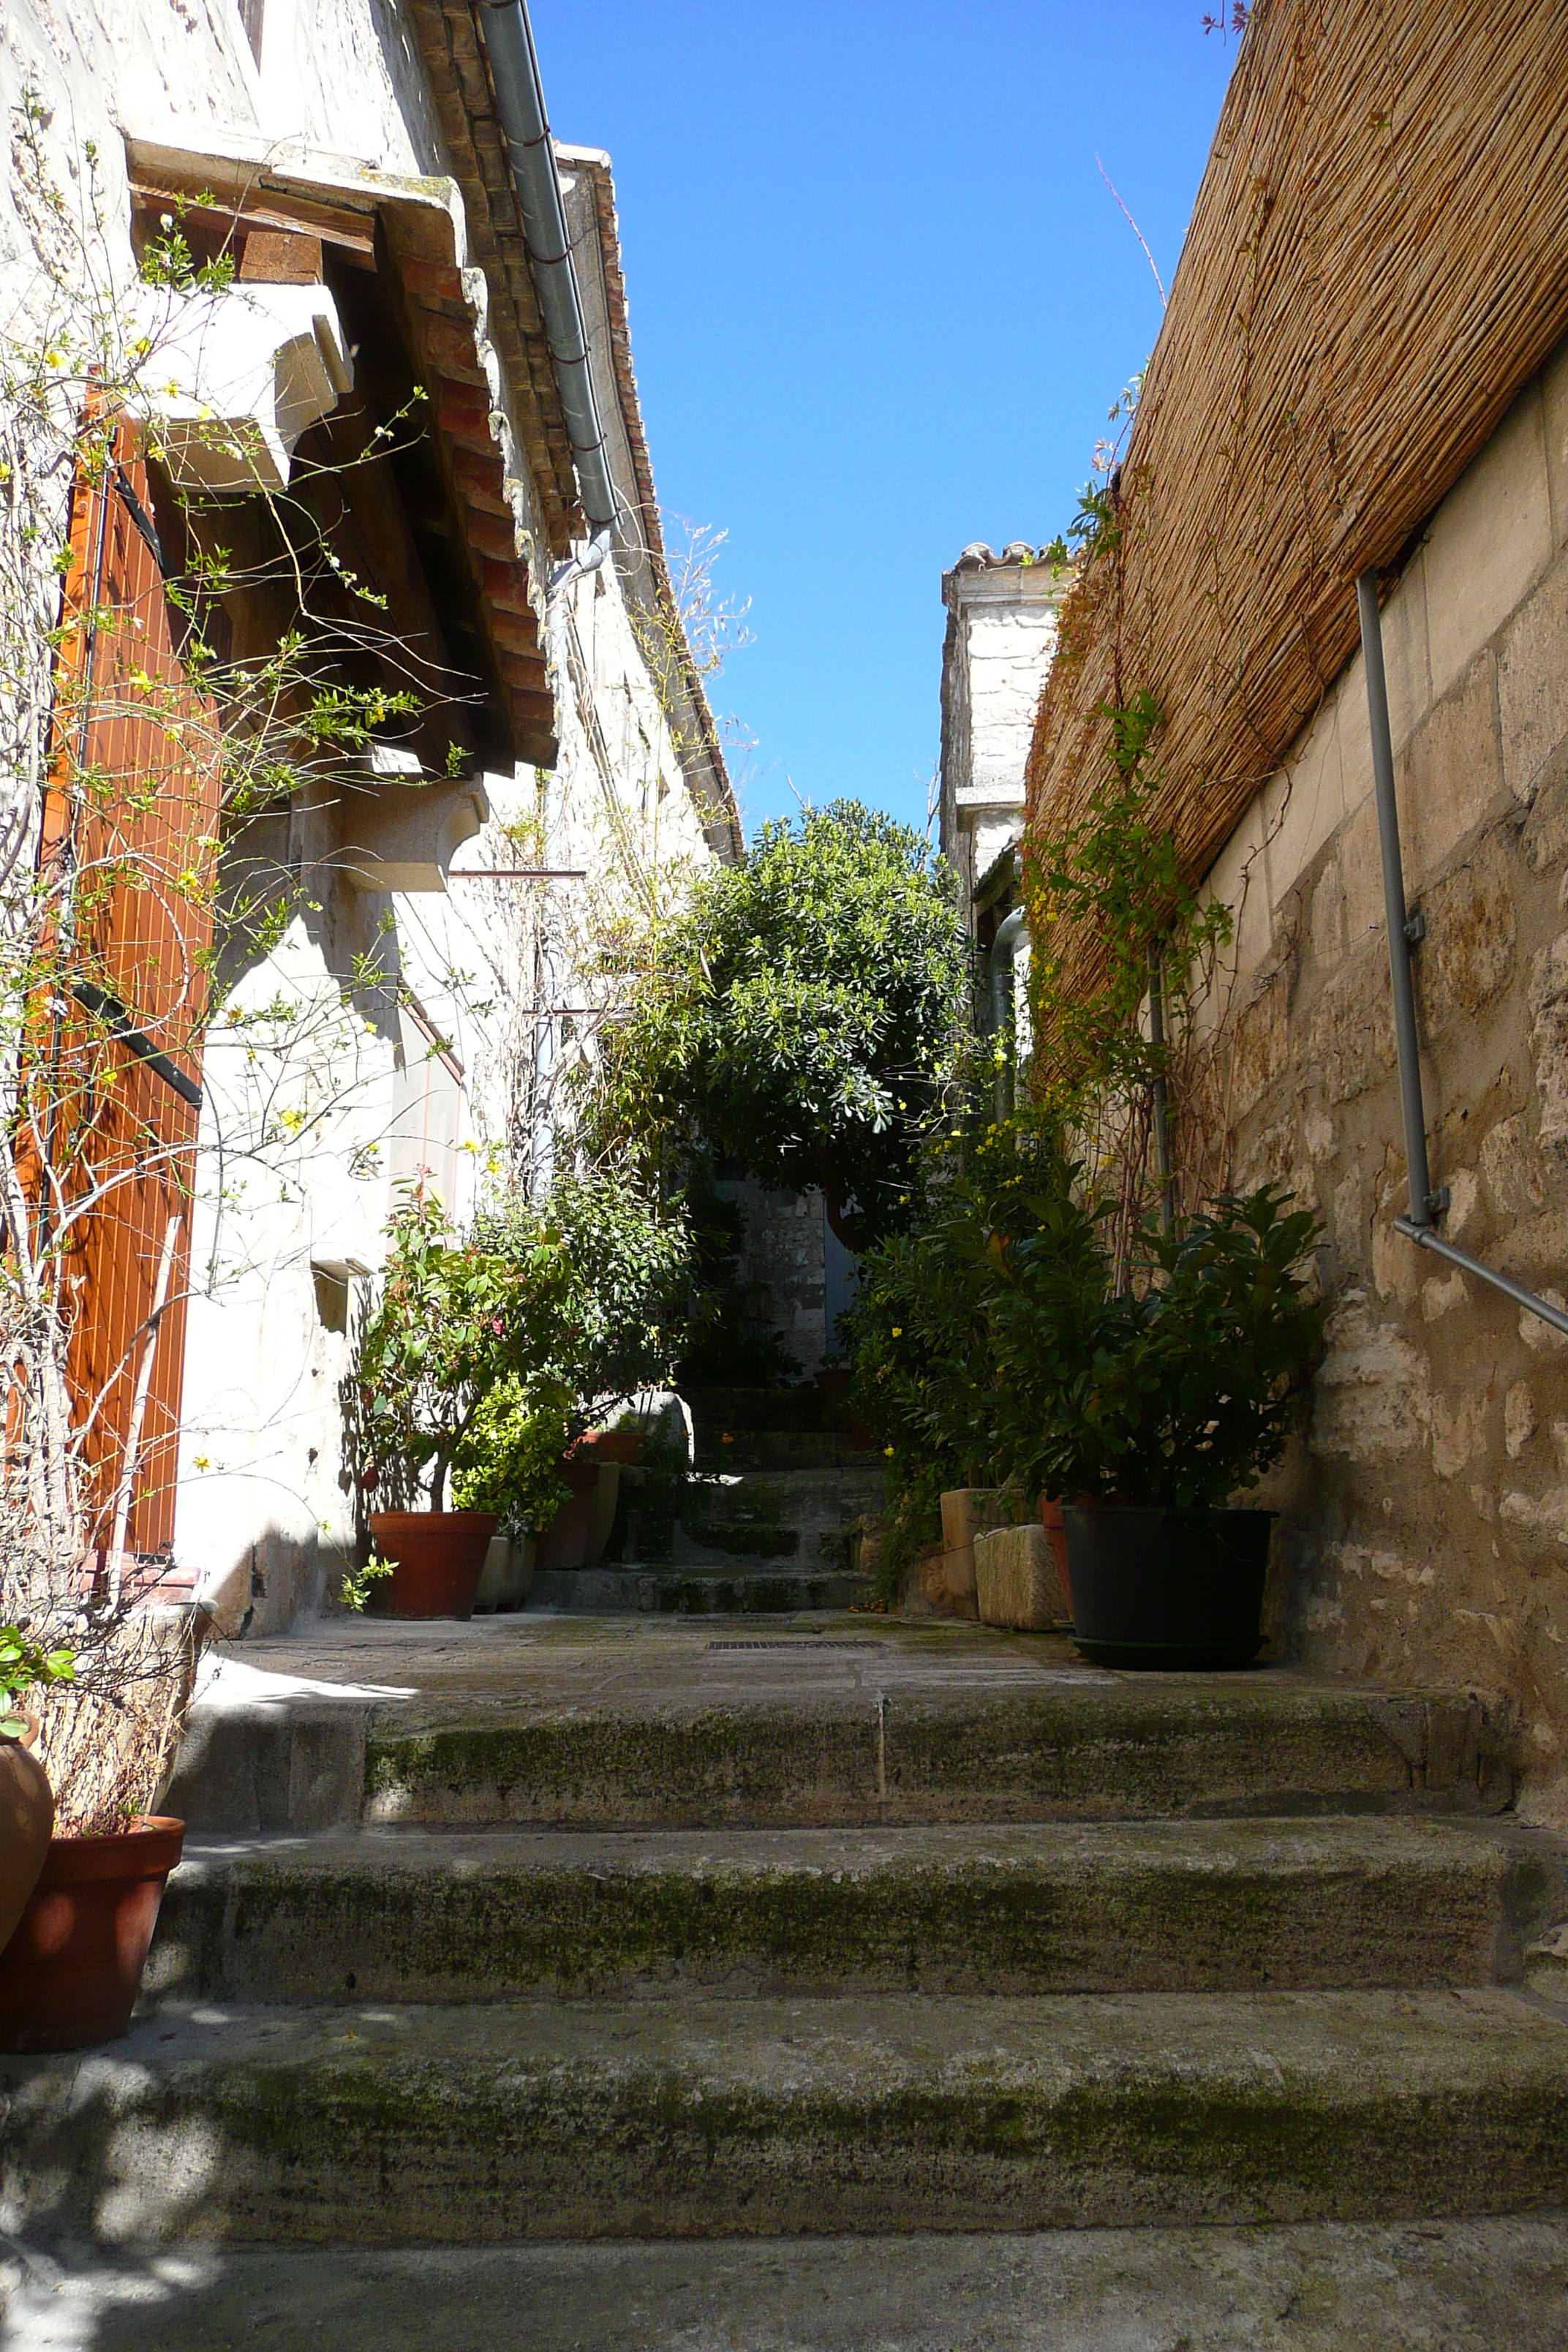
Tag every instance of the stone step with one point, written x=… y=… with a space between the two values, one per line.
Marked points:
x=1461 y=2286
x=780 y=1449
x=405 y=1916
x=763 y=1733
x=712 y=2118
x=736 y=1587
x=715 y=1410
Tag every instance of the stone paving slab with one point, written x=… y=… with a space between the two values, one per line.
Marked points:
x=619 y=1719
x=706 y=2119
x=1448 y=2286
x=411 y=1916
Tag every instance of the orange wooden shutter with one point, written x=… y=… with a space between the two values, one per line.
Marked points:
x=129 y=836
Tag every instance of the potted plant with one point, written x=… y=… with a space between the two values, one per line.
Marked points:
x=455 y=1322
x=627 y=1277
x=71 y=1968
x=1165 y=1400
x=510 y=1464
x=26 y=1799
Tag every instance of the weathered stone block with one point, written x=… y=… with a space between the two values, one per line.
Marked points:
x=1351 y=1035
x=1511 y=1169
x=1467 y=952
x=942 y=1585
x=1374 y=1395
x=1546 y=1964
x=1548 y=1000
x=1533 y=684
x=1489 y=539
x=1016 y=1579
x=1452 y=770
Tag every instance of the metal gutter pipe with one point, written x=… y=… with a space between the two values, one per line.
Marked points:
x=1404 y=932
x=519 y=98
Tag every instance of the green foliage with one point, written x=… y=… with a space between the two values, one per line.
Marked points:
x=1180 y=1390
x=797 y=1017
x=627 y=1282
x=1114 y=878
x=24 y=1666
x=510 y=1460
x=454 y=1319
x=359 y=1583
x=928 y=1383
x=992 y=1347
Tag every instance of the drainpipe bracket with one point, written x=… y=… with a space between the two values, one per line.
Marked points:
x=1416 y=928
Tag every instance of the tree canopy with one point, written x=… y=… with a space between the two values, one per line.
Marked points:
x=798 y=1016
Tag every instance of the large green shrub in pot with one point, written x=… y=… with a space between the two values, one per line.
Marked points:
x=1183 y=1390
x=928 y=1385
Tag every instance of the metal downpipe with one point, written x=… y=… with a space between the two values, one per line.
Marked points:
x=1396 y=913
x=519 y=98
x=1425 y=1205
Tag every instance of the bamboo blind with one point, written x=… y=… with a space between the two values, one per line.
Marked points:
x=1377 y=262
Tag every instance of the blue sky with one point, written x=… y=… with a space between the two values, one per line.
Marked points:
x=881 y=301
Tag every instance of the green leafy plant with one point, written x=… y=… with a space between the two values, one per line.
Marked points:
x=455 y=1319
x=359 y=1583
x=928 y=1381
x=1183 y=1390
x=510 y=1460
x=797 y=1017
x=627 y=1275
x=26 y=1666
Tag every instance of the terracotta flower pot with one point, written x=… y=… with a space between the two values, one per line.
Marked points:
x=438 y=1559
x=70 y=1974
x=1051 y=1510
x=27 y=1825
x=624 y=1446
x=563 y=1542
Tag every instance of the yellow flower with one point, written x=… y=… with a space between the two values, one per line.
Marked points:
x=898 y=1330
x=886 y=1449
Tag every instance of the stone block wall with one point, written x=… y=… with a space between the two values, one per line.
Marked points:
x=1426 y=1529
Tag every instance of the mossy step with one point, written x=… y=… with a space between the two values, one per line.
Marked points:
x=711 y=2118
x=740 y=1590
x=405 y=1916
x=1463 y=2285
x=753 y=1538
x=857 y=1730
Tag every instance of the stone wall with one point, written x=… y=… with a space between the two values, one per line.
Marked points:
x=1426 y=1536
x=1001 y=635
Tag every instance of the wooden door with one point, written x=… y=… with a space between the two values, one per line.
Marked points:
x=127 y=853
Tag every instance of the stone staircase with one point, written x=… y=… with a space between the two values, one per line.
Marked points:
x=614 y=1934
x=765 y=1523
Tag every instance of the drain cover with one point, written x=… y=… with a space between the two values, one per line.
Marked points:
x=805 y=1642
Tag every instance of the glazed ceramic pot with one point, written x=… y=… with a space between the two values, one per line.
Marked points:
x=438 y=1559
x=71 y=1973
x=27 y=1825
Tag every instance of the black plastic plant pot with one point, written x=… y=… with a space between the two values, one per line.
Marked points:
x=1167 y=1590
